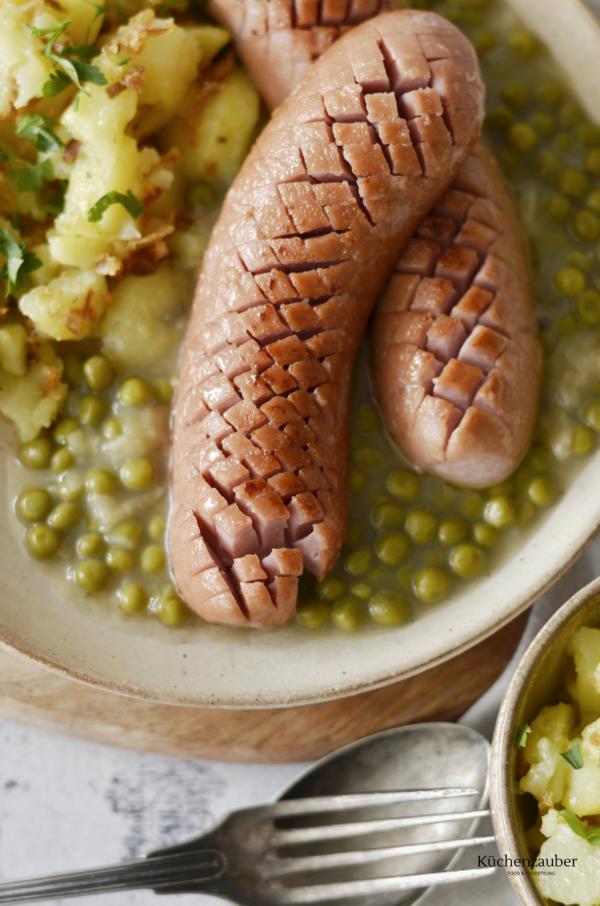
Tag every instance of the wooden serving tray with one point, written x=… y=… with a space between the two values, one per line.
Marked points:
x=32 y=695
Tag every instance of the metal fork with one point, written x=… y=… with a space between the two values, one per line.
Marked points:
x=259 y=856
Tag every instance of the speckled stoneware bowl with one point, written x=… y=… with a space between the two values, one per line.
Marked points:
x=224 y=668
x=535 y=683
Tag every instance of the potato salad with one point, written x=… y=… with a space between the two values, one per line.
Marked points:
x=561 y=754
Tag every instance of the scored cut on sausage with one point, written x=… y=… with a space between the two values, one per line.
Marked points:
x=308 y=234
x=278 y=40
x=457 y=359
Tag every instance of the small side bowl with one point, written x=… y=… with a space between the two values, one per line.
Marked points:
x=535 y=683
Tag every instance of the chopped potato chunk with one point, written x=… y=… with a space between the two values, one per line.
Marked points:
x=32 y=401
x=548 y=773
x=584 y=647
x=579 y=883
x=69 y=306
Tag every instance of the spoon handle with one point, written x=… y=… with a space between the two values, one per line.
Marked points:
x=155 y=872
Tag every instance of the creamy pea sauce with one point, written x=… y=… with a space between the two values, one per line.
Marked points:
x=89 y=348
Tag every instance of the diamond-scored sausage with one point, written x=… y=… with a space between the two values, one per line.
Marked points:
x=457 y=364
x=309 y=232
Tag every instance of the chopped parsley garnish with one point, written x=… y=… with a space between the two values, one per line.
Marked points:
x=573 y=756
x=131 y=204
x=56 y=202
x=19 y=262
x=521 y=740
x=38 y=129
x=579 y=827
x=32 y=179
x=71 y=61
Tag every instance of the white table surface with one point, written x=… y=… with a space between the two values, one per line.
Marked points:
x=67 y=804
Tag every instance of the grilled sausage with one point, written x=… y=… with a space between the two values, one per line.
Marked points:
x=279 y=39
x=309 y=232
x=457 y=357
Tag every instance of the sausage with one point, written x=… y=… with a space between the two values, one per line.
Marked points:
x=278 y=40
x=456 y=353
x=308 y=234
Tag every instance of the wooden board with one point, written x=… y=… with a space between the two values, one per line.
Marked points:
x=32 y=695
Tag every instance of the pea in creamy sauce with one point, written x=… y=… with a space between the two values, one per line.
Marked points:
x=89 y=489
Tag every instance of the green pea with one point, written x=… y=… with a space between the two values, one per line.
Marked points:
x=570 y=115
x=92 y=411
x=557 y=207
x=499 y=118
x=90 y=575
x=89 y=545
x=523 y=43
x=573 y=183
x=588 y=306
x=119 y=559
x=470 y=504
x=163 y=390
x=368 y=459
x=582 y=440
x=65 y=427
x=347 y=614
x=580 y=260
x=101 y=481
x=431 y=584
x=64 y=516
x=70 y=487
x=543 y=123
x=592 y=161
x=538 y=459
x=591 y=416
x=563 y=141
x=420 y=525
x=361 y=590
x=33 y=505
x=570 y=281
x=313 y=615
x=61 y=460
x=404 y=577
x=466 y=560
x=451 y=531
x=127 y=533
x=567 y=325
x=522 y=137
x=137 y=474
x=499 y=512
x=541 y=491
x=331 y=589
x=98 y=372
x=367 y=420
x=152 y=558
x=391 y=549
x=515 y=94
x=134 y=392
x=156 y=527
x=484 y=41
x=35 y=454
x=550 y=94
x=354 y=534
x=72 y=368
x=387 y=516
x=132 y=598
x=358 y=562
x=548 y=164
x=172 y=611
x=387 y=608
x=41 y=541
x=112 y=428
x=356 y=481
x=586 y=225
x=403 y=484
x=593 y=200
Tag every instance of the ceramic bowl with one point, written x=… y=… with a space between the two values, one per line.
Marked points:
x=535 y=683
x=224 y=668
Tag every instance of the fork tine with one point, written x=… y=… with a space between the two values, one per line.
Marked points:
x=297 y=864
x=320 y=804
x=293 y=835
x=320 y=893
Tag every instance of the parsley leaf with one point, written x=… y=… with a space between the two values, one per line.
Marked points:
x=52 y=34
x=521 y=739
x=38 y=129
x=573 y=756
x=56 y=202
x=54 y=84
x=70 y=61
x=131 y=204
x=19 y=261
x=579 y=827
x=32 y=179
